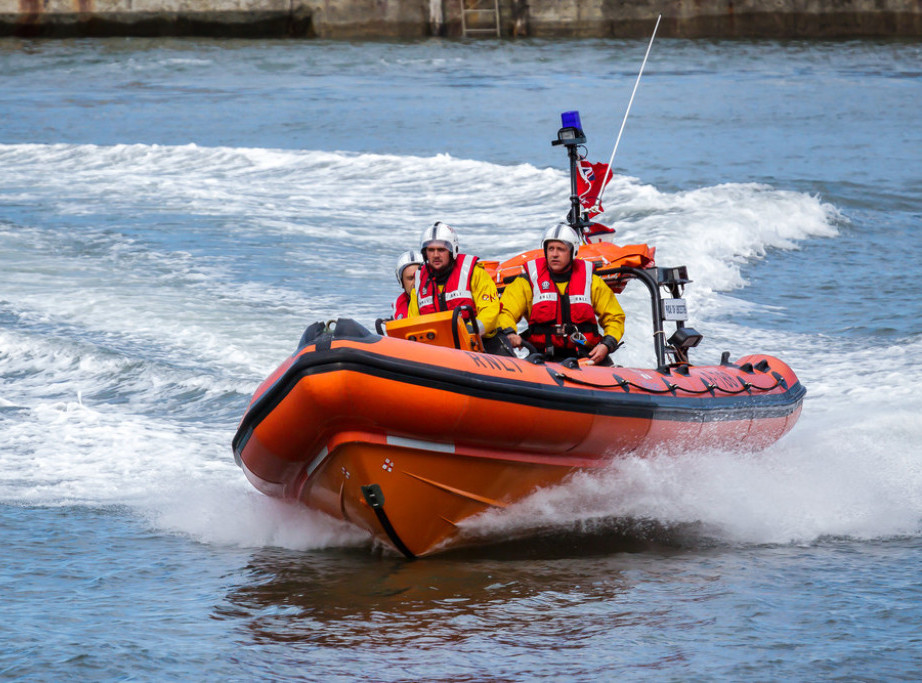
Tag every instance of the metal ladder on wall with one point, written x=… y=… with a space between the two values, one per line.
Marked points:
x=478 y=10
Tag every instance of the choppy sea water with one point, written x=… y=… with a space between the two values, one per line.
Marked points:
x=174 y=213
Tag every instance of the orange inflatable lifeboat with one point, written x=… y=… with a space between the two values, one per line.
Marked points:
x=410 y=430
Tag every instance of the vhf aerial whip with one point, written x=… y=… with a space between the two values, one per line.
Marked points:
x=598 y=201
x=572 y=136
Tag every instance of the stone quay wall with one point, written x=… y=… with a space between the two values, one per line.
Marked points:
x=414 y=19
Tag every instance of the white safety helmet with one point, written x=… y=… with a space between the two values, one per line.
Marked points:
x=561 y=232
x=440 y=235
x=408 y=258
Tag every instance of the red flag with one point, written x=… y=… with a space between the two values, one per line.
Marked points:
x=590 y=180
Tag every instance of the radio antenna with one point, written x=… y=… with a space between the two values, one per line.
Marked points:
x=598 y=201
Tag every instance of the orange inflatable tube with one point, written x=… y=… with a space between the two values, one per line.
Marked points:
x=407 y=440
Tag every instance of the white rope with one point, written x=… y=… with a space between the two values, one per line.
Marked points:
x=598 y=201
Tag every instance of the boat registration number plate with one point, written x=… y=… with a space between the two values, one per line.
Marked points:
x=674 y=309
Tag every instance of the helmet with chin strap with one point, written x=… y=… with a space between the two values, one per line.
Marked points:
x=407 y=258
x=562 y=232
x=440 y=235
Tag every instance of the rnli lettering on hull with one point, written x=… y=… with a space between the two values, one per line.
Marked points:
x=490 y=362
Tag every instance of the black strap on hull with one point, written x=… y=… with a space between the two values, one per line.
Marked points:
x=375 y=498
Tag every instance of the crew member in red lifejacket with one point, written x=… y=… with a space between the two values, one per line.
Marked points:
x=449 y=279
x=565 y=304
x=407 y=265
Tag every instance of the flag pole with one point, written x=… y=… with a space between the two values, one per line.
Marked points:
x=598 y=201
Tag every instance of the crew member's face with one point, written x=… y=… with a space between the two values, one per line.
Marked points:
x=558 y=256
x=437 y=257
x=408 y=277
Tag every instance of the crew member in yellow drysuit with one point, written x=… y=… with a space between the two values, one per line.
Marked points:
x=449 y=279
x=564 y=302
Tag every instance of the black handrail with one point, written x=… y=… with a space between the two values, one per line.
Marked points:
x=673 y=279
x=652 y=284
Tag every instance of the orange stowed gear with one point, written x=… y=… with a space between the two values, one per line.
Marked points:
x=559 y=320
x=401 y=306
x=457 y=291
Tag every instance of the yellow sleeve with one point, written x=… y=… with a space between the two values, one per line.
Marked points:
x=413 y=308
x=486 y=299
x=516 y=302
x=607 y=309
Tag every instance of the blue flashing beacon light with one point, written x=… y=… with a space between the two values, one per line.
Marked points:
x=570 y=119
x=571 y=130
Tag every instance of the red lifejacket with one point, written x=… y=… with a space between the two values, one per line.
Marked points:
x=457 y=290
x=401 y=306
x=554 y=317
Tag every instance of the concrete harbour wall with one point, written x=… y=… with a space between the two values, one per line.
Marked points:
x=409 y=19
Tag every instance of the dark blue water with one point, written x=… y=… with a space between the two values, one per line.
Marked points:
x=174 y=213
